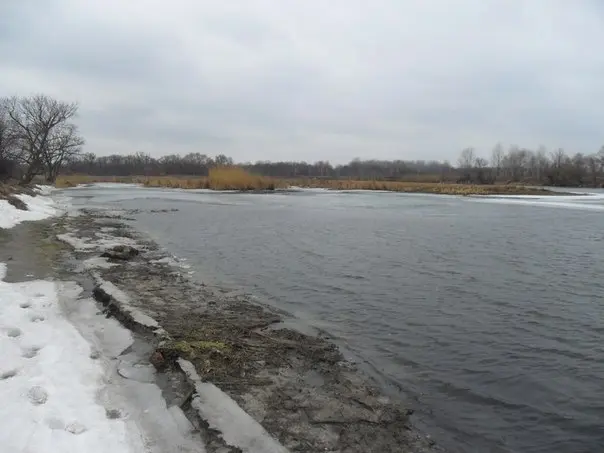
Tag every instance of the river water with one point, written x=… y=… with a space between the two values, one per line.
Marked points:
x=487 y=315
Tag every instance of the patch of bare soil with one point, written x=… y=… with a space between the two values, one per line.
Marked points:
x=298 y=387
x=32 y=250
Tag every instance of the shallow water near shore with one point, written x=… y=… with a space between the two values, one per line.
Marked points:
x=486 y=313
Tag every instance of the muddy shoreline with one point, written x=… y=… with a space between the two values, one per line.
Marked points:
x=298 y=387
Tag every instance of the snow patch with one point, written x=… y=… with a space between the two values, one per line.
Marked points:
x=171 y=261
x=103 y=243
x=49 y=404
x=104 y=185
x=222 y=413
x=39 y=208
x=8 y=374
x=587 y=203
x=37 y=395
x=107 y=240
x=56 y=399
x=44 y=189
x=75 y=242
x=97 y=262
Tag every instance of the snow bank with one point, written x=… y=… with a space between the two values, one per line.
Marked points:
x=40 y=207
x=61 y=383
x=48 y=382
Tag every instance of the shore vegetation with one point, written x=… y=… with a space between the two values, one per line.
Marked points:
x=235 y=178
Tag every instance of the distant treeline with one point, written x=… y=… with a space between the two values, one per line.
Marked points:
x=38 y=138
x=513 y=165
x=196 y=164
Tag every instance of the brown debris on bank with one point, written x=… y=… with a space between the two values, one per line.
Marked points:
x=298 y=387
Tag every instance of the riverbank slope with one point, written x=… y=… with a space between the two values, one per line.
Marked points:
x=244 y=382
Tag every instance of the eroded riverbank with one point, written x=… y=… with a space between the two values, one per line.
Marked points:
x=294 y=388
x=71 y=377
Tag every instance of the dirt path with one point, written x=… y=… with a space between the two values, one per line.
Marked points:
x=32 y=251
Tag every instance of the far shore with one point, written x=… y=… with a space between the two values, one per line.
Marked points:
x=252 y=183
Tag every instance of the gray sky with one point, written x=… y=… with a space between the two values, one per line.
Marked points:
x=314 y=79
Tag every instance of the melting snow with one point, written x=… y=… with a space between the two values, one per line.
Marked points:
x=40 y=207
x=171 y=261
x=49 y=381
x=103 y=241
x=55 y=387
x=97 y=262
x=76 y=242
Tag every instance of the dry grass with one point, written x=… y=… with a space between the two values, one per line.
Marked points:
x=66 y=181
x=8 y=190
x=421 y=187
x=223 y=178
x=235 y=178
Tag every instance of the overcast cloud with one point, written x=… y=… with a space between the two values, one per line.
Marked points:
x=314 y=79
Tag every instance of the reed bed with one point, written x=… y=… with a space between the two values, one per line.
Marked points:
x=236 y=178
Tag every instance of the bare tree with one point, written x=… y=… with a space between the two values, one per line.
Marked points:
x=559 y=158
x=557 y=174
x=514 y=163
x=594 y=167
x=64 y=143
x=42 y=130
x=7 y=147
x=497 y=158
x=6 y=138
x=467 y=158
x=222 y=160
x=541 y=162
x=484 y=174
